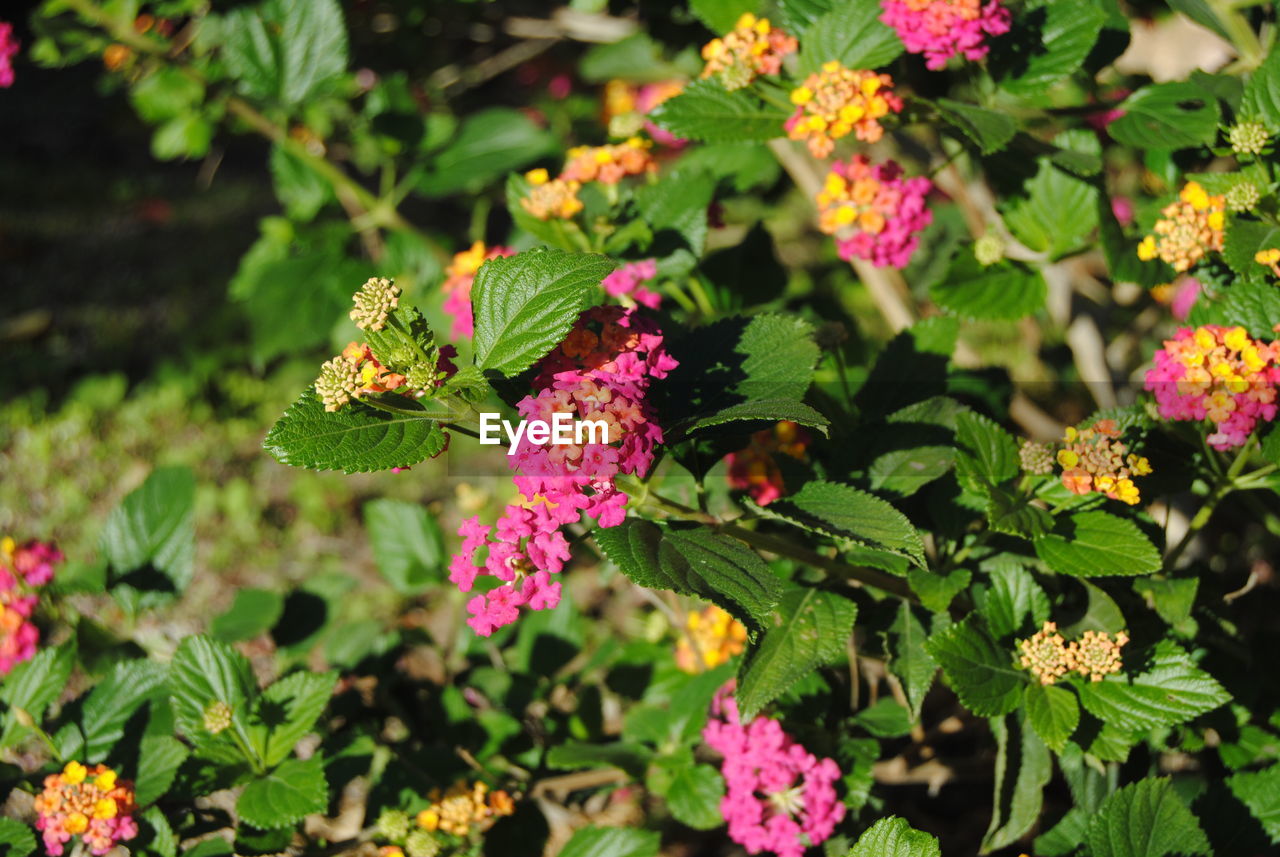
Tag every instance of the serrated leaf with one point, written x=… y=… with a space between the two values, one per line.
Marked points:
x=1243 y=241
x=979 y=670
x=1145 y=819
x=1023 y=768
x=612 y=842
x=286 y=711
x=407 y=543
x=111 y=704
x=1170 y=691
x=16 y=839
x=1060 y=211
x=771 y=410
x=937 y=591
x=525 y=304
x=893 y=837
x=1004 y=291
x=1260 y=792
x=204 y=671
x=695 y=561
x=721 y=16
x=814 y=631
x=251 y=614
x=1053 y=713
x=694 y=794
x=155 y=526
x=906 y=471
x=1013 y=599
x=163 y=841
x=990 y=130
x=1012 y=513
x=355 y=439
x=852 y=35
x=32 y=686
x=159 y=757
x=885 y=718
x=708 y=112
x=1041 y=56
x=909 y=660
x=1261 y=99
x=678 y=202
x=1097 y=544
x=986 y=454
x=576 y=755
x=285 y=49
x=1167 y=116
x=285 y=796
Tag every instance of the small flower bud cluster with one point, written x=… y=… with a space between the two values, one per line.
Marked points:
x=941 y=29
x=338 y=383
x=754 y=469
x=753 y=48
x=838 y=101
x=1094 y=459
x=1220 y=374
x=89 y=802
x=463 y=808
x=1049 y=657
x=1243 y=197
x=874 y=213
x=988 y=249
x=1248 y=138
x=217 y=717
x=609 y=164
x=459 y=277
x=1036 y=458
x=626 y=106
x=551 y=198
x=1189 y=228
x=23 y=570
x=711 y=638
x=375 y=302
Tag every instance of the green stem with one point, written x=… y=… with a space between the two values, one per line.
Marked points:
x=700 y=297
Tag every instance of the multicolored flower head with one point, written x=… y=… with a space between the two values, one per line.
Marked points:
x=8 y=50
x=459 y=277
x=1220 y=374
x=89 y=802
x=1049 y=657
x=1190 y=227
x=609 y=164
x=464 y=808
x=942 y=29
x=753 y=48
x=874 y=213
x=1094 y=459
x=755 y=470
x=626 y=106
x=625 y=284
x=711 y=637
x=33 y=561
x=779 y=797
x=18 y=635
x=838 y=101
x=1044 y=653
x=551 y=198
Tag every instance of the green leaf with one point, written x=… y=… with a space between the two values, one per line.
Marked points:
x=844 y=512
x=526 y=304
x=909 y=659
x=1260 y=792
x=1171 y=690
x=285 y=49
x=937 y=591
x=355 y=439
x=490 y=144
x=214 y=847
x=979 y=670
x=32 y=686
x=637 y=58
x=885 y=719
x=678 y=202
x=285 y=796
x=990 y=130
x=906 y=471
x=695 y=561
x=694 y=794
x=163 y=842
x=770 y=410
x=159 y=757
x=852 y=35
x=814 y=631
x=302 y=190
x=1243 y=241
x=1060 y=211
x=1064 y=38
x=154 y=527
x=252 y=614
x=16 y=839
x=111 y=704
x=1167 y=116
x=205 y=671
x=186 y=136
x=893 y=837
x=612 y=842
x=1013 y=599
x=1171 y=598
x=708 y=112
x=1053 y=712
x=407 y=543
x=165 y=94
x=576 y=755
x=720 y=16
x=1145 y=819
x=1011 y=513
x=1023 y=769
x=286 y=711
x=1261 y=99
x=986 y=455
x=1005 y=290
x=1097 y=544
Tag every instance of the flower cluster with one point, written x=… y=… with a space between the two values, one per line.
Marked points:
x=754 y=469
x=627 y=104
x=625 y=284
x=89 y=802
x=609 y=164
x=600 y=374
x=551 y=198
x=838 y=101
x=461 y=810
x=1190 y=227
x=1269 y=257
x=780 y=797
x=1094 y=459
x=941 y=29
x=374 y=303
x=753 y=48
x=459 y=276
x=8 y=49
x=22 y=569
x=875 y=213
x=1049 y=657
x=711 y=637
x=1217 y=373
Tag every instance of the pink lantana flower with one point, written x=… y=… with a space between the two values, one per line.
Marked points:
x=942 y=29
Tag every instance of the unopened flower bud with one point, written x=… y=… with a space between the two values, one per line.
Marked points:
x=420 y=843
x=1248 y=138
x=393 y=824
x=421 y=376
x=1243 y=197
x=337 y=383
x=1036 y=458
x=374 y=302
x=988 y=249
x=217 y=717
